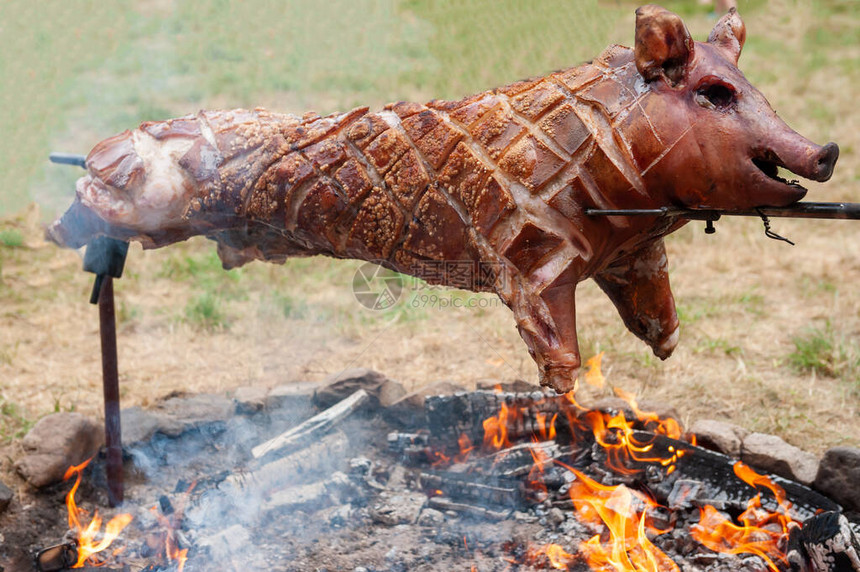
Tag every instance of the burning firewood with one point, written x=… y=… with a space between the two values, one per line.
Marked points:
x=488 y=193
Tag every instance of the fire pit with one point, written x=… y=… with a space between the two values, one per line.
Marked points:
x=482 y=480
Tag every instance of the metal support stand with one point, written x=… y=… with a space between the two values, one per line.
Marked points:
x=105 y=257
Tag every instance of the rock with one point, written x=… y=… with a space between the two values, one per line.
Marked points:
x=515 y=386
x=771 y=454
x=431 y=517
x=408 y=411
x=249 y=400
x=555 y=517
x=297 y=394
x=839 y=476
x=6 y=495
x=719 y=436
x=197 y=409
x=382 y=391
x=139 y=425
x=55 y=443
x=174 y=416
x=360 y=466
x=392 y=509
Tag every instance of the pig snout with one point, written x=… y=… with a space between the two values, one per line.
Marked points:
x=800 y=156
x=823 y=162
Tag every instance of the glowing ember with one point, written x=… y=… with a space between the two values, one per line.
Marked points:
x=554 y=556
x=89 y=537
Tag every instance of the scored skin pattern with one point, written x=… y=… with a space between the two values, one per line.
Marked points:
x=487 y=193
x=501 y=177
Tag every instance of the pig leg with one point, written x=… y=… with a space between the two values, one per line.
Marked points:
x=547 y=323
x=638 y=285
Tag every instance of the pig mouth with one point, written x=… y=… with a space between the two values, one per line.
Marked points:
x=770 y=167
x=774 y=190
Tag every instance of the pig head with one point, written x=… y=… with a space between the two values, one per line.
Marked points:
x=723 y=141
x=693 y=132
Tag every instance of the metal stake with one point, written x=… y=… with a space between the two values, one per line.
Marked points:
x=105 y=257
x=110 y=378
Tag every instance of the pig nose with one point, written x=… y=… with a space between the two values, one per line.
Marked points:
x=824 y=162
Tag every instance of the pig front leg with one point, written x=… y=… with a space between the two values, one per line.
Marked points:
x=547 y=323
x=638 y=285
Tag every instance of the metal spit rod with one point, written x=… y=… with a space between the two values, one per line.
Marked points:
x=844 y=211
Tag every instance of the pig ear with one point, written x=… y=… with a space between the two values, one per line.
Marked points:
x=664 y=47
x=729 y=34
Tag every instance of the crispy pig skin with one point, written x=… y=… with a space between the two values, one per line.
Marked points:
x=487 y=193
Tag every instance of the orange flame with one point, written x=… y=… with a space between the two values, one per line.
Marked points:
x=171 y=523
x=466 y=448
x=87 y=535
x=628 y=549
x=753 y=536
x=496 y=430
x=665 y=426
x=594 y=375
x=545 y=433
x=624 y=512
x=616 y=435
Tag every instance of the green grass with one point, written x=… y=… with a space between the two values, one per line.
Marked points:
x=11 y=238
x=825 y=352
x=287 y=305
x=479 y=44
x=203 y=271
x=206 y=311
x=717 y=346
x=13 y=423
x=127 y=313
x=75 y=73
x=693 y=309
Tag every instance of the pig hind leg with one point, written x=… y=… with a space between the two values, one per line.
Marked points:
x=638 y=285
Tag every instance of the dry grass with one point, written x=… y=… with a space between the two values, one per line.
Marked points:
x=747 y=303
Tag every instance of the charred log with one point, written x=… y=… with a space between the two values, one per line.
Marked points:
x=313 y=427
x=826 y=543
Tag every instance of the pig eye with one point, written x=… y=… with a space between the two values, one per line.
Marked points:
x=715 y=96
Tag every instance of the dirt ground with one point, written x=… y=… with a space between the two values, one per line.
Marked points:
x=769 y=339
